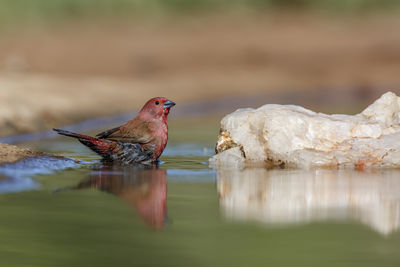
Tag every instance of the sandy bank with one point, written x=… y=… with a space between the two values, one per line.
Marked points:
x=92 y=70
x=10 y=153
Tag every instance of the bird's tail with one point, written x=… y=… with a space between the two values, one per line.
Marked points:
x=71 y=134
x=100 y=146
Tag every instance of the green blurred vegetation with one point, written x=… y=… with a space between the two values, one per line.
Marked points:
x=20 y=11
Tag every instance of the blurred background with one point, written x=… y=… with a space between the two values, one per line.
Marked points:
x=67 y=61
x=63 y=61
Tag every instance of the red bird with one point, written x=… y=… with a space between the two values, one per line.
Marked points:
x=140 y=140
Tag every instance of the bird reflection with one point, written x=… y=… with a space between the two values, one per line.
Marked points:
x=287 y=197
x=142 y=187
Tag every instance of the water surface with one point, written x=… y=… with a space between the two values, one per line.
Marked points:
x=181 y=213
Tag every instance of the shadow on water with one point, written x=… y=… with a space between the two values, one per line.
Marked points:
x=289 y=197
x=143 y=187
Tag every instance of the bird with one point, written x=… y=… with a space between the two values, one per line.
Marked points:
x=139 y=141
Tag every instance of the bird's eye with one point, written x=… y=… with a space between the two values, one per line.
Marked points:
x=157 y=102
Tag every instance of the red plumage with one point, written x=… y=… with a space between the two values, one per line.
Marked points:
x=139 y=140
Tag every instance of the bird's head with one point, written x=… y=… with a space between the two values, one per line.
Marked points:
x=157 y=107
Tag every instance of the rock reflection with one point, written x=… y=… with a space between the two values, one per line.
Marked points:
x=142 y=187
x=298 y=196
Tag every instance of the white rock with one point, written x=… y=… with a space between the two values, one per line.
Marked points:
x=293 y=136
x=230 y=156
x=288 y=197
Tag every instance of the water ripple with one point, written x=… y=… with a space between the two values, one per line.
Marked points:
x=18 y=176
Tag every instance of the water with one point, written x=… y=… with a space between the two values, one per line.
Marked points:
x=181 y=213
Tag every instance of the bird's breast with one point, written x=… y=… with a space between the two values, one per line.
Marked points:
x=160 y=139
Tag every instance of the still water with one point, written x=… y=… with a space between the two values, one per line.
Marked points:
x=57 y=212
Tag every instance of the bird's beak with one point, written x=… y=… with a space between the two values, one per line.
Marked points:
x=169 y=104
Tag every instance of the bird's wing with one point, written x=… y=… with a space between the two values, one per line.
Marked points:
x=135 y=131
x=107 y=133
